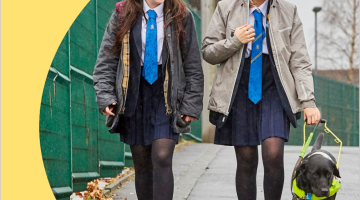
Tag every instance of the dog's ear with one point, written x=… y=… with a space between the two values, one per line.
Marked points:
x=318 y=142
x=301 y=168
x=301 y=179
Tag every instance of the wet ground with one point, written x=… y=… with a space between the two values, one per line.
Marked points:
x=207 y=171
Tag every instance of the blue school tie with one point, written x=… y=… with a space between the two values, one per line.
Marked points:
x=150 y=71
x=255 y=77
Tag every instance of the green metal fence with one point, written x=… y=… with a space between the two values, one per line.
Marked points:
x=338 y=103
x=75 y=144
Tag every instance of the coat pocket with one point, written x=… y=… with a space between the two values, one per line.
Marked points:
x=284 y=42
x=285 y=29
x=232 y=32
x=109 y=118
x=180 y=97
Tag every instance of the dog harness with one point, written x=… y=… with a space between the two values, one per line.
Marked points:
x=322 y=154
x=335 y=184
x=298 y=193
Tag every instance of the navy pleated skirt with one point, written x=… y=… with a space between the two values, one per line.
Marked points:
x=248 y=124
x=149 y=122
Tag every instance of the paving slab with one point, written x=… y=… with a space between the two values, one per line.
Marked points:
x=189 y=160
x=207 y=171
x=218 y=182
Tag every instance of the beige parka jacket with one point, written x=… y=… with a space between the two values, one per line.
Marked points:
x=288 y=48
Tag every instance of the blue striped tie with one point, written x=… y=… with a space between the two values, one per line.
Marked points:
x=150 y=71
x=255 y=77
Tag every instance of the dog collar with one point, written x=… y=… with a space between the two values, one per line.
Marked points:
x=322 y=154
x=335 y=186
x=308 y=196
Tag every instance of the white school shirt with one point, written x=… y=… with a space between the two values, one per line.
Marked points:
x=160 y=30
x=263 y=10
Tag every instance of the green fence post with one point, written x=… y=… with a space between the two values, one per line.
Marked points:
x=54 y=126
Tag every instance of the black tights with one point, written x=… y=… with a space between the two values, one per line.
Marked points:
x=153 y=170
x=273 y=161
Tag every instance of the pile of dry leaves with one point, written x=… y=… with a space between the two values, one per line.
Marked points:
x=94 y=188
x=111 y=180
x=93 y=192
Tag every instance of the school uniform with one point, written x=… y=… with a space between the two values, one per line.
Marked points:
x=148 y=120
x=249 y=123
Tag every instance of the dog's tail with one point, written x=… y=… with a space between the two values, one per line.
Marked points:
x=318 y=142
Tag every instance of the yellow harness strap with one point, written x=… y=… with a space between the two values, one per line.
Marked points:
x=336 y=182
x=335 y=186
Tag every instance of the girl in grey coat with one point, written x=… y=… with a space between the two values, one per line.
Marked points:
x=263 y=83
x=149 y=82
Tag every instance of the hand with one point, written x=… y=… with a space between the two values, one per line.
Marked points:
x=244 y=34
x=108 y=110
x=311 y=115
x=188 y=118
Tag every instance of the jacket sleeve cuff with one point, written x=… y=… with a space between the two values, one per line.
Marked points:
x=185 y=112
x=234 y=40
x=102 y=108
x=308 y=104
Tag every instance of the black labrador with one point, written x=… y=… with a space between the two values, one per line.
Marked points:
x=317 y=171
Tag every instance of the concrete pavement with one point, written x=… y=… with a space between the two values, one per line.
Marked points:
x=207 y=171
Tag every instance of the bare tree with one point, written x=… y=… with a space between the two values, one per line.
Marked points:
x=339 y=35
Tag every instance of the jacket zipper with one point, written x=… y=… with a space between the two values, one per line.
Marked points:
x=237 y=72
x=277 y=58
x=168 y=108
x=303 y=88
x=122 y=109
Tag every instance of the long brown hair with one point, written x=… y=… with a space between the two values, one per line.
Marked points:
x=133 y=7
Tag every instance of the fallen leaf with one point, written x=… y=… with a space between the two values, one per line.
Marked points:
x=78 y=194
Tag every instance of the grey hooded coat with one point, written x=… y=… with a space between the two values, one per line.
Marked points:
x=186 y=80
